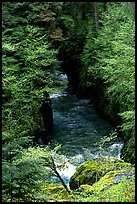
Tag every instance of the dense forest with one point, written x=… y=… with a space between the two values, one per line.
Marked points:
x=93 y=43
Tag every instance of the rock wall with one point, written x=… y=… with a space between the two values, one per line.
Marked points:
x=44 y=132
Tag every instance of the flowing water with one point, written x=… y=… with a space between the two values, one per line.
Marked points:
x=81 y=131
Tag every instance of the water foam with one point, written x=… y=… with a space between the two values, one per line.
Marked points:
x=68 y=171
x=56 y=95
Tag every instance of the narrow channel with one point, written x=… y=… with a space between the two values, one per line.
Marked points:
x=81 y=132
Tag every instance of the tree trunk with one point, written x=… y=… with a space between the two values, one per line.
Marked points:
x=106 y=5
x=96 y=12
x=58 y=175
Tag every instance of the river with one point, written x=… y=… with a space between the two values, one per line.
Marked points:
x=81 y=132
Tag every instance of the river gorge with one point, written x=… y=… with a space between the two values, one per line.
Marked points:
x=82 y=133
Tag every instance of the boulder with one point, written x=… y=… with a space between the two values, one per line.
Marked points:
x=114 y=186
x=91 y=171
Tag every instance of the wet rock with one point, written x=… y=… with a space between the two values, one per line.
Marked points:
x=45 y=123
x=42 y=137
x=47 y=115
x=128 y=174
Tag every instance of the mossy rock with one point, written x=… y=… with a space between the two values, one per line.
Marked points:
x=113 y=178
x=122 y=192
x=114 y=186
x=91 y=171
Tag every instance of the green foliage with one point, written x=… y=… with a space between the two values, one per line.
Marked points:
x=88 y=59
x=30 y=32
x=116 y=66
x=28 y=66
x=128 y=126
x=74 y=23
x=28 y=79
x=23 y=176
x=108 y=66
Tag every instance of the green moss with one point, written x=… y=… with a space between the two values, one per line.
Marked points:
x=114 y=186
x=112 y=178
x=86 y=189
x=91 y=171
x=55 y=192
x=122 y=192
